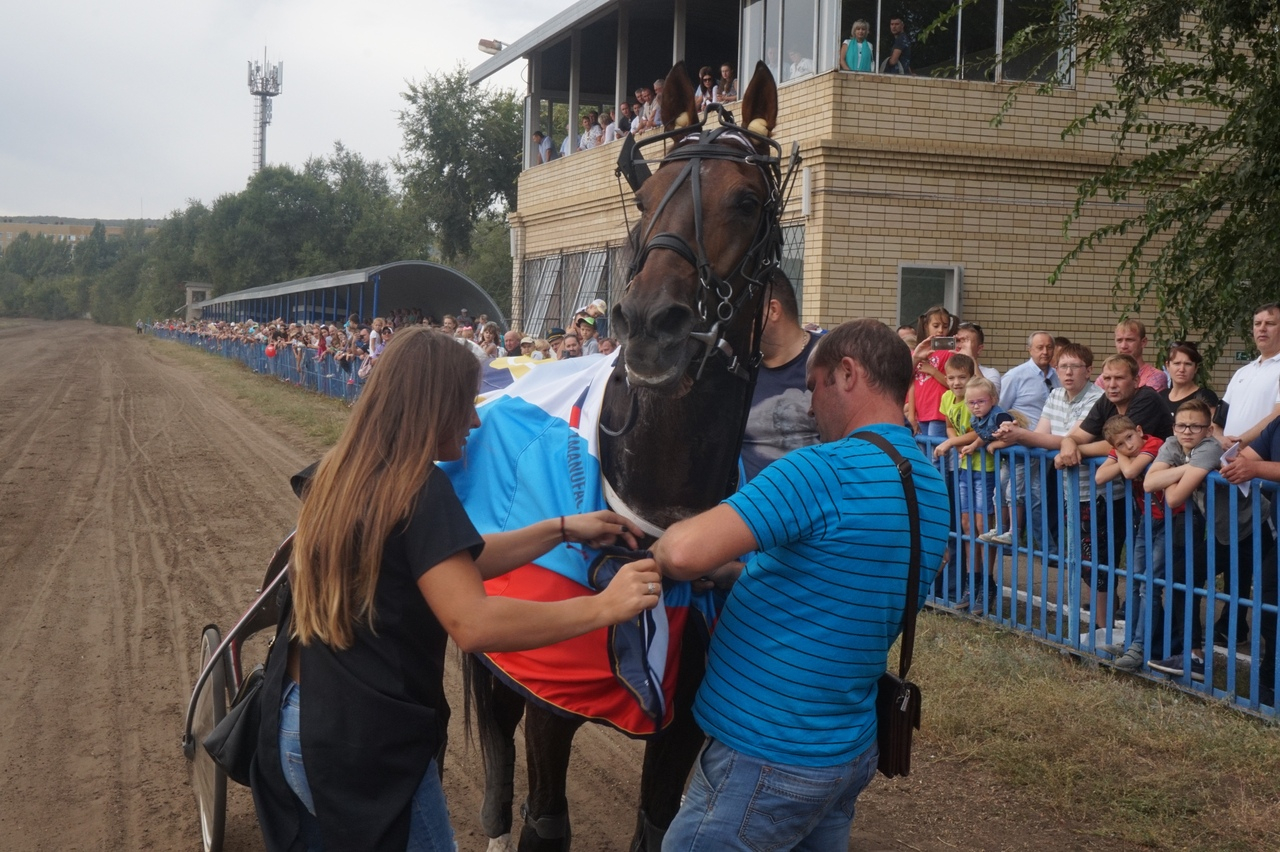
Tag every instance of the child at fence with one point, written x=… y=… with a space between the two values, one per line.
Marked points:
x=1179 y=471
x=929 y=382
x=1131 y=454
x=969 y=502
x=985 y=418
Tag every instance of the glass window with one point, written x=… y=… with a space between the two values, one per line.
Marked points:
x=784 y=33
x=792 y=263
x=931 y=56
x=922 y=287
x=1037 y=64
x=852 y=11
x=799 y=38
x=978 y=40
x=752 y=39
x=773 y=38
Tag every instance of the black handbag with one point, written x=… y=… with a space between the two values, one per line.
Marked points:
x=898 y=699
x=233 y=742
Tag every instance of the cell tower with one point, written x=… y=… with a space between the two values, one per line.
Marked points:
x=264 y=84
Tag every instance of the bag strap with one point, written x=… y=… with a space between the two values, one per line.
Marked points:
x=913 y=571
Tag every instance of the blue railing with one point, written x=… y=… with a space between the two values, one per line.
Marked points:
x=1074 y=546
x=299 y=367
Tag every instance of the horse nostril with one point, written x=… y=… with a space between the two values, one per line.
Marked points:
x=672 y=321
x=618 y=324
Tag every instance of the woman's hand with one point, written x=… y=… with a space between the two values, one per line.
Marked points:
x=597 y=529
x=636 y=587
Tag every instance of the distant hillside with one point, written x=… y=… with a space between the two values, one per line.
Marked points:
x=68 y=220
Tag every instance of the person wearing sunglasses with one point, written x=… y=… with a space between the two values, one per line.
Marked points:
x=705 y=91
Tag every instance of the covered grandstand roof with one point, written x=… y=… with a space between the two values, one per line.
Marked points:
x=555 y=28
x=433 y=288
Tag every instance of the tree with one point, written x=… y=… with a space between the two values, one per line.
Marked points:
x=277 y=229
x=1194 y=108
x=461 y=155
x=488 y=263
x=368 y=228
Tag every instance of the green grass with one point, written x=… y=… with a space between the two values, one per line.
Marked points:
x=316 y=417
x=1128 y=758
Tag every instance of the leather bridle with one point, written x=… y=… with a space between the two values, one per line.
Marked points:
x=716 y=303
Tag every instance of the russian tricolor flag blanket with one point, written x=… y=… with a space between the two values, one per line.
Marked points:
x=535 y=455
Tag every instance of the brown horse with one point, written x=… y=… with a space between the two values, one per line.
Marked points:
x=674 y=411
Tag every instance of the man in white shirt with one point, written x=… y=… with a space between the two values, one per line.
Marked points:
x=1252 y=399
x=542 y=148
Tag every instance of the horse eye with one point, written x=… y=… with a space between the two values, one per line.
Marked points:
x=748 y=203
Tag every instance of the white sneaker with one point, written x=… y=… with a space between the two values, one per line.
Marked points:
x=1004 y=538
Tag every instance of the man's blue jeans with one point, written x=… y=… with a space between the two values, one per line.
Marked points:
x=736 y=801
x=429 y=827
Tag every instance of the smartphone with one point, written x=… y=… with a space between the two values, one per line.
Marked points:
x=944 y=343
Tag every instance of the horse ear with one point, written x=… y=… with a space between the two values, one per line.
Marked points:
x=760 y=102
x=678 y=109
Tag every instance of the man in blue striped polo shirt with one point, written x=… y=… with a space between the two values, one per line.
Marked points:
x=788 y=702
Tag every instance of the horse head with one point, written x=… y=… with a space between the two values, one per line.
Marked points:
x=707 y=238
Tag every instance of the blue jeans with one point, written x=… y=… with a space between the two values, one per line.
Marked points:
x=736 y=801
x=429 y=828
x=1147 y=595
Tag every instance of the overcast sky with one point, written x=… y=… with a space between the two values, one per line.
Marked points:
x=122 y=109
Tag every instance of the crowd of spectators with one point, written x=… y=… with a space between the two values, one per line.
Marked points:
x=1155 y=432
x=353 y=347
x=1138 y=441
x=641 y=115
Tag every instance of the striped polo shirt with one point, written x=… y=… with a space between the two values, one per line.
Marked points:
x=804 y=636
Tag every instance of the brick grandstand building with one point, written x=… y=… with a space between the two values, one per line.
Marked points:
x=910 y=195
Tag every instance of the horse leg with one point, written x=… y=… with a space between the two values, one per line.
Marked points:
x=548 y=741
x=498 y=741
x=669 y=756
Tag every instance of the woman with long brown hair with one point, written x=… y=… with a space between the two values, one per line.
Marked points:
x=386 y=566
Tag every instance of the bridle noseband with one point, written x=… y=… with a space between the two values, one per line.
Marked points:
x=726 y=141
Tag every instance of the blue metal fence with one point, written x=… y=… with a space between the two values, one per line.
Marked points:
x=1075 y=547
x=1208 y=571
x=299 y=367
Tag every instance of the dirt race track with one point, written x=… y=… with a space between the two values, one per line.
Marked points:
x=138 y=502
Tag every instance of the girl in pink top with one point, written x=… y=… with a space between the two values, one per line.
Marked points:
x=930 y=382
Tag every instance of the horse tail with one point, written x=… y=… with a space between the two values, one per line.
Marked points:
x=496 y=710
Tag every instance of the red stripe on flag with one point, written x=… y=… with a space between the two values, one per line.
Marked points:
x=576 y=676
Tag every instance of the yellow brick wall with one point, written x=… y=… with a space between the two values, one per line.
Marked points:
x=904 y=170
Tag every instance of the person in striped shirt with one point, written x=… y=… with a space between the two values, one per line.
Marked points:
x=788 y=702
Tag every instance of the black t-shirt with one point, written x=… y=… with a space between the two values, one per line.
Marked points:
x=1210 y=399
x=1146 y=410
x=374 y=715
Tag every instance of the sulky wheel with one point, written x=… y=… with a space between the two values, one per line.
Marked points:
x=208 y=780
